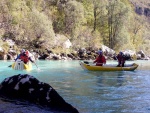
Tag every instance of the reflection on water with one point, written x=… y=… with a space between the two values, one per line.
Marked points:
x=116 y=79
x=88 y=91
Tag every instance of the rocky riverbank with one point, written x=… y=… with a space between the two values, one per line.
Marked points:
x=79 y=54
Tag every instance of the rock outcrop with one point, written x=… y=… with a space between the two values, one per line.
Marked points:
x=28 y=88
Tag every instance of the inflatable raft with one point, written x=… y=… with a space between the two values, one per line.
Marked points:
x=20 y=65
x=87 y=66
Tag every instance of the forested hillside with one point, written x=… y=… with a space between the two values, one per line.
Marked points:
x=86 y=23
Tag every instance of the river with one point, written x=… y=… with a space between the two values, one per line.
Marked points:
x=88 y=91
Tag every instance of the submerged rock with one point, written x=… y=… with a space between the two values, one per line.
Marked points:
x=28 y=88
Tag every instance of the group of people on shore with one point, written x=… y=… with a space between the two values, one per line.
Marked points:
x=100 y=60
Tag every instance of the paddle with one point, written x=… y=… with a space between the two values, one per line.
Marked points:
x=36 y=65
x=86 y=62
x=10 y=66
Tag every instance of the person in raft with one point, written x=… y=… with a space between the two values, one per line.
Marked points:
x=121 y=59
x=24 y=56
x=100 y=60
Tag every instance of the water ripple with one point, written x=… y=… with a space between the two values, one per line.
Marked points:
x=88 y=91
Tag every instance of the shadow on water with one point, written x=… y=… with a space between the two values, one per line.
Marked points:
x=16 y=106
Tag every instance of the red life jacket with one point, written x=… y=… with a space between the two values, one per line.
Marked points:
x=24 y=58
x=100 y=60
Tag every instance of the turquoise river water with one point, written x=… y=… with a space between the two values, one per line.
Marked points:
x=88 y=91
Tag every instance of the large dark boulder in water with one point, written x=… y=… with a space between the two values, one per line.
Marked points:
x=28 y=88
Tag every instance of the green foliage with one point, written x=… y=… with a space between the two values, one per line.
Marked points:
x=59 y=21
x=18 y=10
x=5 y=46
x=111 y=17
x=34 y=23
x=122 y=41
x=29 y=3
x=88 y=12
x=74 y=16
x=1 y=43
x=30 y=25
x=39 y=30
